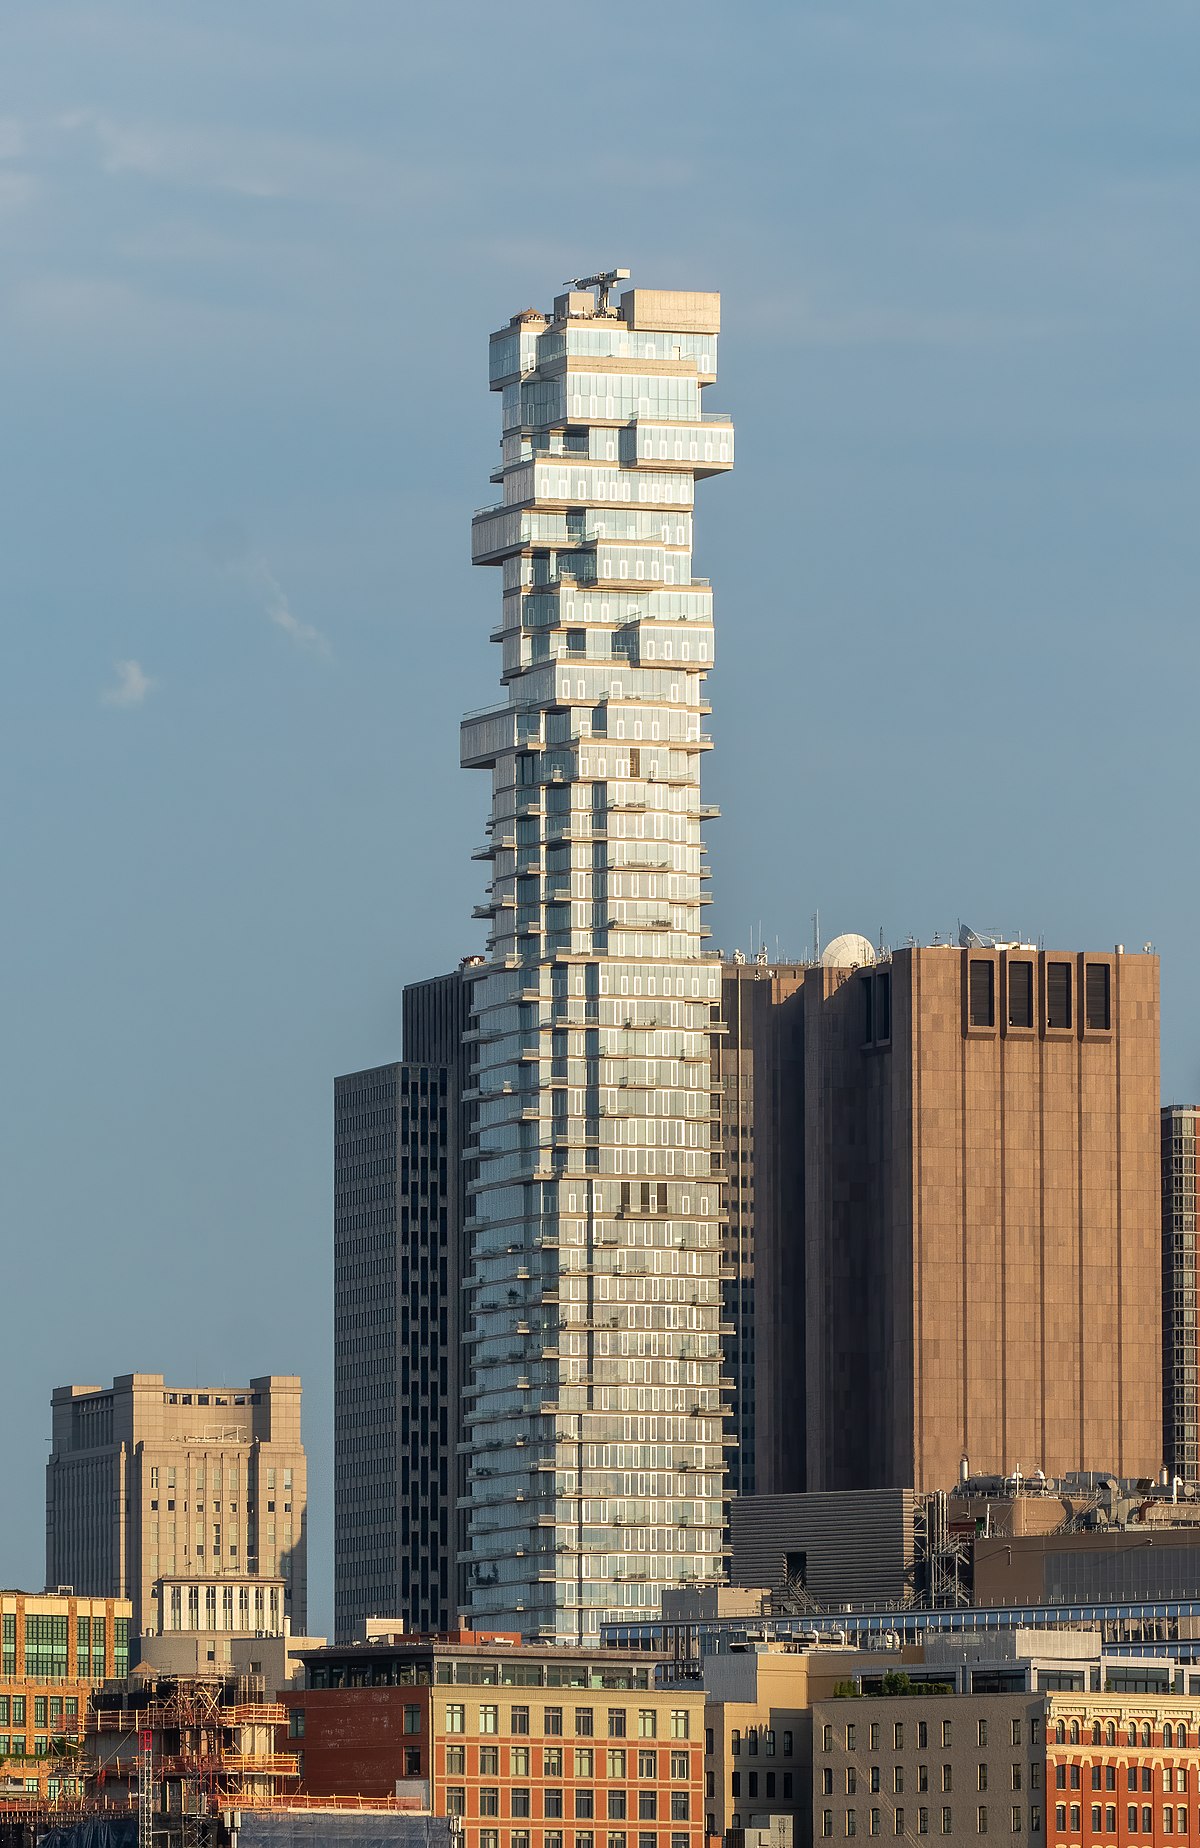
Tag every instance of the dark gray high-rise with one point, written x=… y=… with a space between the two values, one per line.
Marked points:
x=398 y=1272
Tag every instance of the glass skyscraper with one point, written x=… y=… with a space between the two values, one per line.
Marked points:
x=593 y=1413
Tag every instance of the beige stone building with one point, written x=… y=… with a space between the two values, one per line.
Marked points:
x=982 y=1211
x=147 y=1482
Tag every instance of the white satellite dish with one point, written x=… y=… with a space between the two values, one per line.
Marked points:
x=849 y=951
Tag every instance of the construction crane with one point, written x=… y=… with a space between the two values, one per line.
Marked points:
x=603 y=281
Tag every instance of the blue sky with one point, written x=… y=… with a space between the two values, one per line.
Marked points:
x=251 y=256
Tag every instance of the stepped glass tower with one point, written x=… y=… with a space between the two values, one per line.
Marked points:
x=593 y=1418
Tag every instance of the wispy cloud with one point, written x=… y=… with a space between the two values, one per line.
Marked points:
x=230 y=548
x=278 y=609
x=132 y=688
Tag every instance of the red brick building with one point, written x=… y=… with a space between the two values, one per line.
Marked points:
x=533 y=1746
x=1122 y=1771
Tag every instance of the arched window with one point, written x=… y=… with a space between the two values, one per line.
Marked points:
x=1095 y=1732
x=1060 y=1733
x=1132 y=1733
x=1074 y=1732
x=1168 y=1734
x=1145 y=1732
x=1110 y=1734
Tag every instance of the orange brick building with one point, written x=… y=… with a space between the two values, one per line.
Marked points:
x=54 y=1648
x=532 y=1746
x=1122 y=1771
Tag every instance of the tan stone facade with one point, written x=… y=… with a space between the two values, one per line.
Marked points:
x=982 y=1237
x=147 y=1481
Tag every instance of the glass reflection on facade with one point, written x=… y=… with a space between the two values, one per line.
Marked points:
x=594 y=1415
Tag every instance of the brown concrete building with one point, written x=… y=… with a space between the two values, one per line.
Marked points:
x=146 y=1481
x=757 y=1073
x=951 y=1765
x=982 y=1245
x=531 y=1746
x=1181 y=1336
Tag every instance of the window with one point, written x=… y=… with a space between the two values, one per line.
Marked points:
x=945 y=1732
x=552 y=1722
x=489 y=1719
x=679 y=1723
x=456 y=1800
x=1016 y=1818
x=584 y=1761
x=519 y=1799
x=827 y=1822
x=680 y=1806
x=922 y=1777
x=456 y=1760
x=851 y=1781
x=455 y=1718
x=552 y=1761
x=851 y=1737
x=412 y=1719
x=647 y=1723
x=647 y=1806
x=981 y=1820
x=873 y=1829
x=1020 y=1007
x=1110 y=1818
x=922 y=1735
x=647 y=1764
x=518 y=1838
x=827 y=1738
x=1076 y=1776
x=489 y=1761
x=981 y=1773
x=616 y=1722
x=827 y=1781
x=1060 y=1817
x=981 y=1739
x=922 y=1822
x=518 y=1761
x=585 y=1803
x=552 y=1800
x=1075 y=1825
x=1097 y=997
x=898 y=1779
x=412 y=1761
x=680 y=1764
x=898 y=1821
x=616 y=1762
x=295 y=1723
x=851 y=1822
x=981 y=992
x=873 y=1736
x=947 y=1821
x=1096 y=1814
x=489 y=1800
x=1016 y=1732
x=585 y=1722
x=519 y=1720
x=947 y=1778
x=1058 y=996
x=735 y=1742
x=1147 y=1819
x=787 y=1744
